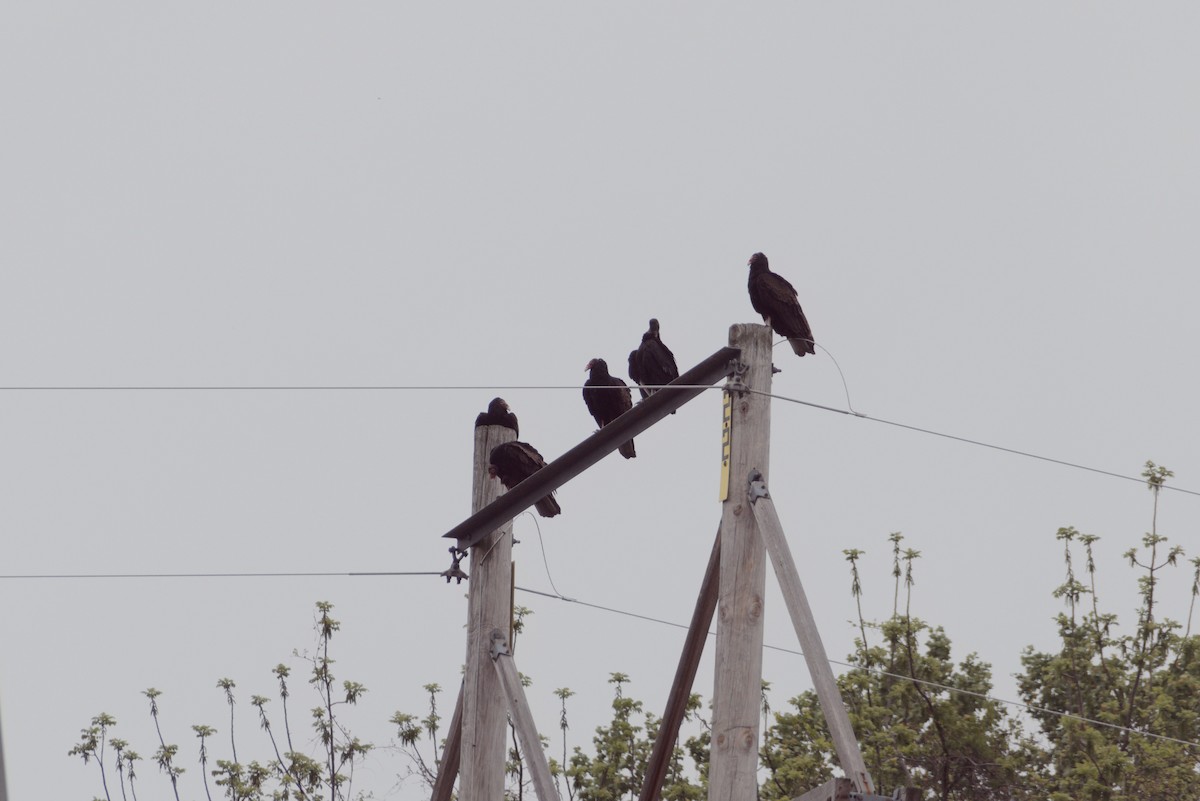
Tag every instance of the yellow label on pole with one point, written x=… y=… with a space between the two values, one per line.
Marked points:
x=726 y=442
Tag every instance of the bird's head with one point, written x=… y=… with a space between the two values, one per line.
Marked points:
x=758 y=261
x=498 y=406
x=599 y=365
x=491 y=471
x=654 y=326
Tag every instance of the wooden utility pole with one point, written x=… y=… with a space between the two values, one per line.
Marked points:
x=484 y=716
x=733 y=766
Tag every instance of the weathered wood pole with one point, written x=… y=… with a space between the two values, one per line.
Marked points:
x=732 y=772
x=484 y=718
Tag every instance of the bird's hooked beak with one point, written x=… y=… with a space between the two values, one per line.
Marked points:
x=590 y=365
x=491 y=471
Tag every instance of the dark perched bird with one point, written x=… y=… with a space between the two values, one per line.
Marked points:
x=607 y=405
x=498 y=414
x=775 y=299
x=512 y=463
x=652 y=364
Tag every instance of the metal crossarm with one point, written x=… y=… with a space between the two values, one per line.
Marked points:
x=594 y=448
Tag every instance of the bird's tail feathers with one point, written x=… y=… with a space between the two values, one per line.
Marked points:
x=801 y=346
x=548 y=507
x=627 y=450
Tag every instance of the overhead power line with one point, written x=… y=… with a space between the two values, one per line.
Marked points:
x=209 y=575
x=980 y=443
x=881 y=672
x=576 y=387
x=624 y=613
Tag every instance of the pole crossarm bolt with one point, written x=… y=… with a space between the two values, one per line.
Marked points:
x=499 y=646
x=757 y=487
x=738 y=370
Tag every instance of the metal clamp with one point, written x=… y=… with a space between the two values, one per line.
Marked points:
x=499 y=646
x=757 y=486
x=738 y=370
x=455 y=572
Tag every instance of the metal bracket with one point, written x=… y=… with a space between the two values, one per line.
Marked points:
x=455 y=572
x=499 y=646
x=738 y=369
x=757 y=486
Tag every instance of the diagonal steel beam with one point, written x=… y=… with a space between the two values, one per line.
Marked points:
x=594 y=448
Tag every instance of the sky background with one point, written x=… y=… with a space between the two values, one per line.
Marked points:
x=989 y=213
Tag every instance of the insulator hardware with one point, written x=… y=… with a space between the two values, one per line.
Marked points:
x=455 y=572
x=738 y=370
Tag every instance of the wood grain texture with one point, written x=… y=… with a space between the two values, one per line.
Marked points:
x=830 y=698
x=484 y=719
x=532 y=752
x=737 y=687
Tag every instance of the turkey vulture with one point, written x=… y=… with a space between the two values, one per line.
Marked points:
x=652 y=364
x=512 y=463
x=607 y=405
x=775 y=299
x=498 y=414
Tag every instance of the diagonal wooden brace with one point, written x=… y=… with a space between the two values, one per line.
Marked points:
x=443 y=785
x=780 y=554
x=685 y=675
x=522 y=718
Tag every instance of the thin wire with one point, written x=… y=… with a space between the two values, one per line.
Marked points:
x=492 y=547
x=881 y=672
x=575 y=387
x=358 y=387
x=845 y=386
x=542 y=542
x=208 y=575
x=969 y=441
x=560 y=597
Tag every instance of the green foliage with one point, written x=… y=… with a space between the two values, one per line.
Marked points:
x=617 y=767
x=955 y=745
x=1141 y=688
x=290 y=774
x=922 y=716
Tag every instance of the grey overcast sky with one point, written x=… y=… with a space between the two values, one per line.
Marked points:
x=990 y=213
